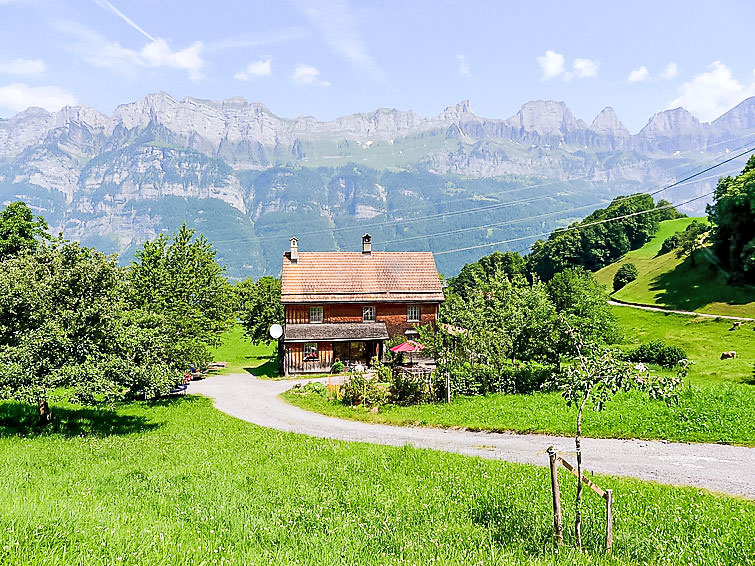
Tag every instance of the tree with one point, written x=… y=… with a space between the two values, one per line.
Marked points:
x=260 y=307
x=733 y=217
x=485 y=269
x=64 y=328
x=20 y=230
x=625 y=274
x=177 y=278
x=692 y=239
x=597 y=375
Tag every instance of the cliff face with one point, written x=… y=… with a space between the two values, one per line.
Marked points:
x=113 y=180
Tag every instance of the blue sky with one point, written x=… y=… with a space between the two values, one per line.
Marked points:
x=328 y=58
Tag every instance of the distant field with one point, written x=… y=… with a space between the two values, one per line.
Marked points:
x=716 y=405
x=243 y=356
x=669 y=282
x=179 y=483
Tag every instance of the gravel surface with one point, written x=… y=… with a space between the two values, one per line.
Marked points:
x=721 y=468
x=689 y=313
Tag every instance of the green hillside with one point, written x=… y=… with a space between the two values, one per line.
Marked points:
x=669 y=282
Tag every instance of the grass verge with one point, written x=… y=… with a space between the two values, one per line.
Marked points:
x=178 y=483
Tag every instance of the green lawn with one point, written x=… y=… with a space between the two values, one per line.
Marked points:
x=716 y=405
x=669 y=282
x=242 y=355
x=179 y=483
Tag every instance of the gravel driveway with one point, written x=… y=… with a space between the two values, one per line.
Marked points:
x=727 y=469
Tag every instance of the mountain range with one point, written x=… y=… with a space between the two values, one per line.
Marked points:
x=249 y=179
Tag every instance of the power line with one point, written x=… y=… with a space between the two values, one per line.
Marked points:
x=570 y=228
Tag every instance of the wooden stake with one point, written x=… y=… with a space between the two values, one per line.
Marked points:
x=557 y=524
x=609 y=520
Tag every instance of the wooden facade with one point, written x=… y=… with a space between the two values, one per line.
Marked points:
x=394 y=315
x=298 y=360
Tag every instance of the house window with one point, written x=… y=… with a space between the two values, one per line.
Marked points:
x=315 y=314
x=412 y=313
x=368 y=314
x=310 y=352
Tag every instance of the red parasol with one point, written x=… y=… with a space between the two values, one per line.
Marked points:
x=409 y=346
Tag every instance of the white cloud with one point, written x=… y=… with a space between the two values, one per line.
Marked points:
x=261 y=68
x=101 y=52
x=670 y=72
x=639 y=75
x=585 y=68
x=340 y=29
x=463 y=65
x=307 y=75
x=551 y=63
x=22 y=67
x=19 y=96
x=710 y=94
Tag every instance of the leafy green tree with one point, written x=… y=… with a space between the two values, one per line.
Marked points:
x=733 y=217
x=177 y=277
x=64 y=332
x=20 y=230
x=692 y=239
x=666 y=211
x=597 y=376
x=260 y=307
x=625 y=274
x=485 y=269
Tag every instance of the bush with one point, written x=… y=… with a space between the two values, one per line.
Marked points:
x=408 y=389
x=337 y=367
x=358 y=390
x=315 y=388
x=658 y=352
x=626 y=273
x=670 y=244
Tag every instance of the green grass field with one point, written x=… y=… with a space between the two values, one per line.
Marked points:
x=179 y=483
x=716 y=405
x=673 y=283
x=243 y=356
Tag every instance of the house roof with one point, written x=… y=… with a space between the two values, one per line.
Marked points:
x=340 y=277
x=335 y=332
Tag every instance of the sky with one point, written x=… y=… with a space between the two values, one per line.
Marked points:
x=327 y=58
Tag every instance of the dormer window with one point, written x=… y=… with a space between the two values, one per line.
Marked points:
x=315 y=314
x=368 y=313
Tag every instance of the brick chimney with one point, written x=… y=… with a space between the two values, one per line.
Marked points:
x=294 y=253
x=367 y=244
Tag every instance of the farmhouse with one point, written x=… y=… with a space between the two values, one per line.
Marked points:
x=345 y=305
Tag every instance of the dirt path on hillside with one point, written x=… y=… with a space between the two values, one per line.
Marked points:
x=727 y=469
x=689 y=313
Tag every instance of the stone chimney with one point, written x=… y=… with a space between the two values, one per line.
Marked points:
x=367 y=244
x=294 y=253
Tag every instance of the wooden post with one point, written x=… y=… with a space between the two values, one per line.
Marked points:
x=609 y=520
x=557 y=523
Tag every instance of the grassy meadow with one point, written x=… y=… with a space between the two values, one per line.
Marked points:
x=673 y=283
x=717 y=404
x=179 y=483
x=243 y=356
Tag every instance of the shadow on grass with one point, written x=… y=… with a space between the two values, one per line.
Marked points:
x=690 y=287
x=21 y=419
x=267 y=369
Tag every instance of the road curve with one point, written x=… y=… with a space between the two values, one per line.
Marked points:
x=616 y=303
x=721 y=468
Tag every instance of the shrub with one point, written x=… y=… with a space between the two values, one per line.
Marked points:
x=670 y=244
x=315 y=388
x=658 y=352
x=358 y=390
x=626 y=273
x=408 y=389
x=337 y=367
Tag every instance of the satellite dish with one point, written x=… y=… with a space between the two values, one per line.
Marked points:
x=276 y=331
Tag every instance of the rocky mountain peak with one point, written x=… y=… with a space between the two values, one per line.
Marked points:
x=455 y=113
x=670 y=121
x=546 y=117
x=741 y=117
x=608 y=123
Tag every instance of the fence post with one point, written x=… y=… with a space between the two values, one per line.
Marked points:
x=557 y=523
x=609 y=520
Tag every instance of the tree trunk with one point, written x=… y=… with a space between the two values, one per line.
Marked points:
x=578 y=502
x=45 y=417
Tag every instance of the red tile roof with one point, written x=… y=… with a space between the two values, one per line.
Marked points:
x=351 y=277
